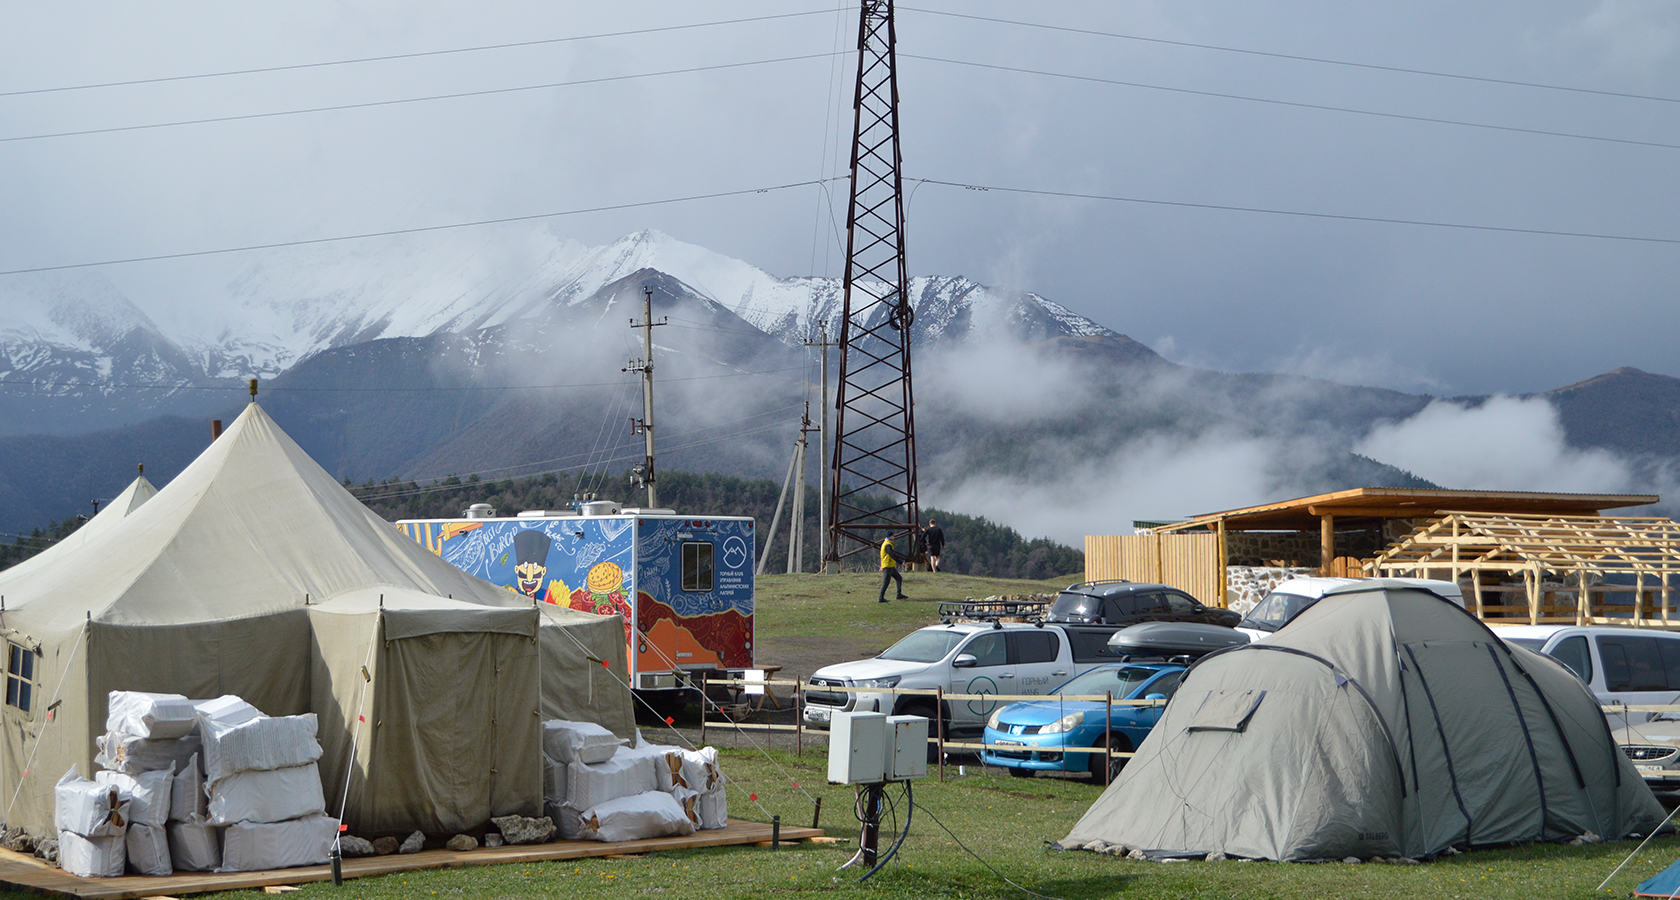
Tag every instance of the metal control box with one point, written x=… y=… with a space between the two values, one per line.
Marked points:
x=857 y=748
x=907 y=747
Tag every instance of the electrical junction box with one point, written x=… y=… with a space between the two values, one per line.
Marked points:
x=907 y=747
x=857 y=748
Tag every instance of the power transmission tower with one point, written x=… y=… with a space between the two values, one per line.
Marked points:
x=643 y=474
x=874 y=471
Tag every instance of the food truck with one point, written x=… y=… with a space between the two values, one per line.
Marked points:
x=682 y=584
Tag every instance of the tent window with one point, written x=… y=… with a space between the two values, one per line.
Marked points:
x=1226 y=711
x=20 y=676
x=697 y=567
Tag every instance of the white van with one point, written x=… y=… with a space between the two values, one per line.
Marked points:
x=1627 y=666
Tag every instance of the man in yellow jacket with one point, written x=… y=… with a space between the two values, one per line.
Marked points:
x=889 y=570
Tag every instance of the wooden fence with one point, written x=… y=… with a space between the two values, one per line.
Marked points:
x=1189 y=562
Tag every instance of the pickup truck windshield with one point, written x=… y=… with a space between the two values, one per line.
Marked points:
x=1121 y=681
x=924 y=646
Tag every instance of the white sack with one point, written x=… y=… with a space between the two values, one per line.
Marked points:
x=583 y=742
x=186 y=794
x=195 y=846
x=275 y=742
x=713 y=807
x=554 y=779
x=89 y=808
x=622 y=776
x=132 y=755
x=664 y=760
x=148 y=850
x=273 y=795
x=148 y=794
x=226 y=710
x=647 y=815
x=153 y=716
x=565 y=818
x=99 y=857
x=251 y=847
x=699 y=769
x=689 y=801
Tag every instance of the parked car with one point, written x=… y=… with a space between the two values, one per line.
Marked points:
x=962 y=658
x=1654 y=748
x=1621 y=666
x=1128 y=603
x=1293 y=597
x=1044 y=729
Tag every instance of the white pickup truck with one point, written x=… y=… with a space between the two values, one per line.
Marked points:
x=963 y=658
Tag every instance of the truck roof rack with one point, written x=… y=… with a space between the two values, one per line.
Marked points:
x=994 y=609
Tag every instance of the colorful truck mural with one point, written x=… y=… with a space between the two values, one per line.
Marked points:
x=683 y=585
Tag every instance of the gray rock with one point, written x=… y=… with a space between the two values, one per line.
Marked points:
x=461 y=843
x=384 y=846
x=1137 y=854
x=17 y=840
x=1216 y=856
x=1351 y=859
x=523 y=830
x=414 y=843
x=493 y=839
x=352 y=846
x=47 y=849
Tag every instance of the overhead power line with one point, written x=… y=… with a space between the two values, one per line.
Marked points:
x=416 y=55
x=1466 y=226
x=1292 y=103
x=1298 y=58
x=273 y=389
x=405 y=100
x=417 y=230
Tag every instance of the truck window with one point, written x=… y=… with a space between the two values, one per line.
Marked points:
x=1119 y=608
x=1090 y=644
x=1632 y=664
x=1034 y=646
x=1572 y=652
x=1179 y=604
x=989 y=650
x=697 y=567
x=1151 y=603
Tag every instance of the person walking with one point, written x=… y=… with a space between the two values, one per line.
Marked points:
x=934 y=537
x=889 y=570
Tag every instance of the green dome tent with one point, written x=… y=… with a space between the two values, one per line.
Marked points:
x=1385 y=721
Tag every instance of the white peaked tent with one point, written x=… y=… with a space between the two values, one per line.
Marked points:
x=138 y=492
x=206 y=590
x=1385 y=721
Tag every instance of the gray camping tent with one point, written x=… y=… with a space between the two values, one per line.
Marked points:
x=1385 y=721
x=205 y=590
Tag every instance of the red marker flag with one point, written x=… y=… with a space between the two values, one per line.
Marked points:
x=669 y=720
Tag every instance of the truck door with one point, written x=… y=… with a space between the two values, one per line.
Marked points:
x=1037 y=663
x=990 y=675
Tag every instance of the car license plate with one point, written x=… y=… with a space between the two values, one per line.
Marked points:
x=1649 y=768
x=818 y=715
x=1010 y=743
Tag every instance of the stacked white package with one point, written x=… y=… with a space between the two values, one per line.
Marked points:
x=589 y=785
x=554 y=779
x=92 y=822
x=187 y=797
x=253 y=847
x=152 y=716
x=695 y=771
x=195 y=845
x=132 y=754
x=584 y=742
x=267 y=795
x=148 y=811
x=257 y=744
x=646 y=815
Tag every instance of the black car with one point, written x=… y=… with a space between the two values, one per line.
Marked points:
x=1127 y=603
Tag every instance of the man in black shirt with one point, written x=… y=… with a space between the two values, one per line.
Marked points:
x=934 y=537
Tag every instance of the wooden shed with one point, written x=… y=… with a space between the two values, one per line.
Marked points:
x=1339 y=533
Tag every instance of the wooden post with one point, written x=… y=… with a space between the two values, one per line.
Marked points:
x=1326 y=543
x=702 y=707
x=799 y=719
x=939 y=720
x=1531 y=581
x=1476 y=588
x=1583 y=600
x=1639 y=599
x=1108 y=735
x=1222 y=573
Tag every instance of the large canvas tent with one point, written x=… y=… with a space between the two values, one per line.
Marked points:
x=1384 y=721
x=206 y=589
x=132 y=498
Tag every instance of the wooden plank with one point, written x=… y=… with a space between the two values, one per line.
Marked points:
x=19 y=872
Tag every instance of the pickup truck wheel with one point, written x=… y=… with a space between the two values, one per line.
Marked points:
x=926 y=712
x=1121 y=745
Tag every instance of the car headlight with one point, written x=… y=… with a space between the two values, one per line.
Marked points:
x=992 y=722
x=1066 y=723
x=879 y=682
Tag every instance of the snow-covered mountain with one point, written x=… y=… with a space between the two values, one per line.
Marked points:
x=77 y=338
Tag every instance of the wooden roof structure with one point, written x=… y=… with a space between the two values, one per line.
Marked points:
x=1474 y=543
x=1308 y=513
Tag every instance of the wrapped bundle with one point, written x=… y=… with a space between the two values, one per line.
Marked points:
x=584 y=742
x=151 y=716
x=88 y=808
x=267 y=795
x=647 y=815
x=266 y=742
x=253 y=847
x=148 y=792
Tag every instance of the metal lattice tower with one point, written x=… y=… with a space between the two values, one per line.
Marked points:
x=874 y=472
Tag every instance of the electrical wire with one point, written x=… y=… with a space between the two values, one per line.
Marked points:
x=1292 y=103
x=372 y=104
x=415 y=55
x=416 y=230
x=909 y=813
x=241 y=388
x=1463 y=226
x=981 y=859
x=1297 y=58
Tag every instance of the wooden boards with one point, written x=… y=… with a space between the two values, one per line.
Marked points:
x=19 y=872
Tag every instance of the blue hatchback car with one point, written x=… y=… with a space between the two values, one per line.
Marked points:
x=1042 y=729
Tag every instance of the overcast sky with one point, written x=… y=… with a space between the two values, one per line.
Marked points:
x=1446 y=311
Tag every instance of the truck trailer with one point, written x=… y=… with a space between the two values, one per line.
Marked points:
x=682 y=584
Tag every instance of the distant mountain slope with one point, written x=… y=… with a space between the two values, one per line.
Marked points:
x=1625 y=410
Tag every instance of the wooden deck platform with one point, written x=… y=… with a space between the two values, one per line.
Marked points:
x=19 y=872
